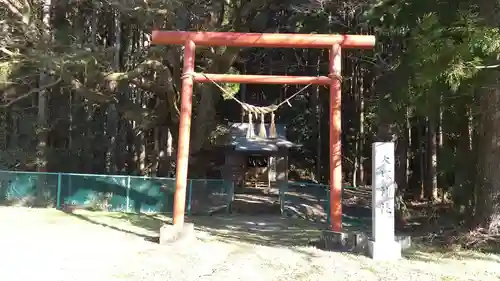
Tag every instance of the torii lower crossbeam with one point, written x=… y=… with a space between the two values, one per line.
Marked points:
x=334 y=43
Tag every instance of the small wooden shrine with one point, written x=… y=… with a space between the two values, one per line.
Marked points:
x=254 y=159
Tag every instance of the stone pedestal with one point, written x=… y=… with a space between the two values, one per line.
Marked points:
x=344 y=241
x=384 y=245
x=384 y=250
x=361 y=243
x=173 y=234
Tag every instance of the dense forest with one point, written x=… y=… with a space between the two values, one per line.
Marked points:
x=84 y=90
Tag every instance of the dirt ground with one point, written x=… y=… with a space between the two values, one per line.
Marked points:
x=47 y=244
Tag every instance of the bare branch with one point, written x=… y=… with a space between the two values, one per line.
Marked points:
x=138 y=71
x=487 y=66
x=164 y=88
x=7 y=52
x=17 y=9
x=31 y=92
x=89 y=94
x=13 y=9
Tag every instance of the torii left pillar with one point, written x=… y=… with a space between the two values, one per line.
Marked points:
x=333 y=42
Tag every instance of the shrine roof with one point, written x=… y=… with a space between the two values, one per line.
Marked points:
x=237 y=137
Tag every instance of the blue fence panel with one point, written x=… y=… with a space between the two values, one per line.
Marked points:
x=151 y=195
x=306 y=200
x=28 y=188
x=208 y=196
x=312 y=201
x=99 y=192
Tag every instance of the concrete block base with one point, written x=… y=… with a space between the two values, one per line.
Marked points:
x=384 y=251
x=173 y=234
x=404 y=242
x=357 y=242
x=344 y=241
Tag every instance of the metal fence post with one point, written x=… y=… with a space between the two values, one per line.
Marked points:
x=58 y=198
x=328 y=205
x=190 y=196
x=229 y=193
x=128 y=195
x=282 y=190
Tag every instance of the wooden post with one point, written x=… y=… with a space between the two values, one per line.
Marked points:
x=282 y=177
x=228 y=176
x=335 y=140
x=184 y=134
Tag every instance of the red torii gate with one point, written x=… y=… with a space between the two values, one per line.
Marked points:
x=334 y=43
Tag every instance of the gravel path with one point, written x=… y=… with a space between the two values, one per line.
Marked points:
x=48 y=245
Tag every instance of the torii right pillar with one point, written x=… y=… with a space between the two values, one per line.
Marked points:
x=383 y=245
x=335 y=68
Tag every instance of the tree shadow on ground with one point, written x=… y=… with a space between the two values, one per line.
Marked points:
x=268 y=230
x=111 y=220
x=260 y=230
x=426 y=253
x=264 y=226
x=253 y=218
x=265 y=230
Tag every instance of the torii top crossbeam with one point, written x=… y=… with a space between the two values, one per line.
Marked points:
x=333 y=42
x=265 y=40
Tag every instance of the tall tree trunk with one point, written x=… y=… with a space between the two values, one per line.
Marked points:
x=317 y=105
x=402 y=148
x=488 y=183
x=112 y=114
x=441 y=179
x=42 y=122
x=204 y=123
x=422 y=132
x=42 y=130
x=409 y=152
x=462 y=191
x=91 y=146
x=360 y=139
x=430 y=184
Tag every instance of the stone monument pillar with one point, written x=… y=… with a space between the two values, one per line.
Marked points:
x=383 y=245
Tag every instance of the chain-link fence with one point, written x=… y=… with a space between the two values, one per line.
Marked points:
x=311 y=201
x=306 y=200
x=135 y=194
x=109 y=192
